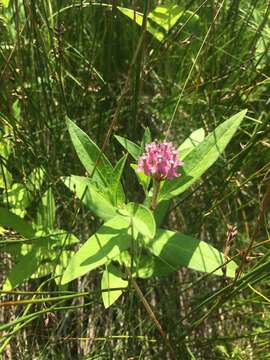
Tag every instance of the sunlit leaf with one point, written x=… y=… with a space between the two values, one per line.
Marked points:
x=111 y=279
x=140 y=217
x=194 y=139
x=90 y=154
x=5 y=3
x=202 y=157
x=118 y=197
x=162 y=19
x=111 y=238
x=166 y=15
x=19 y=196
x=176 y=249
x=133 y=149
x=88 y=192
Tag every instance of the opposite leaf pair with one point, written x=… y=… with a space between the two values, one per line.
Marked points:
x=130 y=230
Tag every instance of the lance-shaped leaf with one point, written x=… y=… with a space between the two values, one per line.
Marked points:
x=146 y=138
x=90 y=154
x=202 y=157
x=118 y=197
x=176 y=249
x=133 y=149
x=111 y=239
x=194 y=139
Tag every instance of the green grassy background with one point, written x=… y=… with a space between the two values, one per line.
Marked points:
x=61 y=58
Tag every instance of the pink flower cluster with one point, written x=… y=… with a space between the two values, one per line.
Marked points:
x=160 y=160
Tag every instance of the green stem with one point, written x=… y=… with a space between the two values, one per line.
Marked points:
x=156 y=189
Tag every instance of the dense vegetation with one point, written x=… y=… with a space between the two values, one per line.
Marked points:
x=138 y=70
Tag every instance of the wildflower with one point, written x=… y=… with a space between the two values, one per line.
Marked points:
x=160 y=161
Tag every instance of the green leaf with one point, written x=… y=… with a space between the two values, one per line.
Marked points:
x=202 y=157
x=146 y=138
x=176 y=249
x=133 y=15
x=140 y=217
x=133 y=149
x=162 y=19
x=142 y=178
x=5 y=3
x=161 y=211
x=7 y=219
x=88 y=152
x=88 y=192
x=111 y=279
x=46 y=211
x=149 y=266
x=55 y=266
x=111 y=238
x=117 y=196
x=40 y=261
x=144 y=265
x=194 y=139
x=55 y=258
x=167 y=15
x=5 y=177
x=138 y=18
x=18 y=198
x=23 y=269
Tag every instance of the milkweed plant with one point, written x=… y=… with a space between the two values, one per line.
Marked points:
x=131 y=239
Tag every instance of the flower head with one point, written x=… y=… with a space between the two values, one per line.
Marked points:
x=160 y=160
